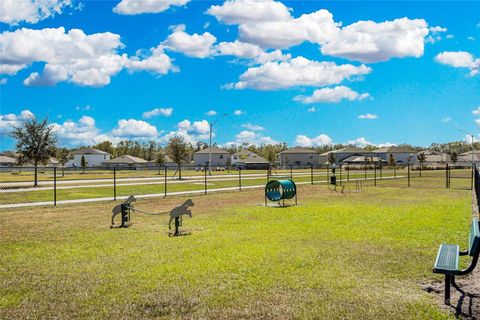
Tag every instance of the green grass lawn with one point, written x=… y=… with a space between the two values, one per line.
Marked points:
x=356 y=256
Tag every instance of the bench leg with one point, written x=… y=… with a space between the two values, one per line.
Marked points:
x=448 y=280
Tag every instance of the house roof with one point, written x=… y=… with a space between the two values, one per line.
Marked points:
x=347 y=150
x=394 y=149
x=469 y=153
x=167 y=160
x=5 y=159
x=361 y=159
x=84 y=151
x=299 y=150
x=244 y=153
x=126 y=159
x=215 y=150
x=433 y=152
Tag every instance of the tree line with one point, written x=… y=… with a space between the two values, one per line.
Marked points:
x=36 y=144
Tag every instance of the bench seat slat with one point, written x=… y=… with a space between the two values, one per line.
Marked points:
x=447 y=259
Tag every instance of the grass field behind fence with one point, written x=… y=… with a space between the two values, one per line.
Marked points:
x=359 y=255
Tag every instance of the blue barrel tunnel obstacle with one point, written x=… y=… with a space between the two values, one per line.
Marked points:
x=279 y=190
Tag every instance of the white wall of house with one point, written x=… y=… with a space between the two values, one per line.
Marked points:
x=93 y=160
x=298 y=159
x=218 y=160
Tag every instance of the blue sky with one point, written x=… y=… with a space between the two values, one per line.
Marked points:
x=301 y=72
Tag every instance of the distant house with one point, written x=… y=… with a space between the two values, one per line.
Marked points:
x=52 y=162
x=126 y=161
x=250 y=161
x=243 y=154
x=401 y=155
x=361 y=160
x=298 y=156
x=7 y=161
x=93 y=157
x=345 y=153
x=167 y=163
x=436 y=157
x=466 y=157
x=220 y=157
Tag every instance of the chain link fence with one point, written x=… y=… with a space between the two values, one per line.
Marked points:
x=24 y=186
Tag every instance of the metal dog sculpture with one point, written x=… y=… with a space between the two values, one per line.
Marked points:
x=177 y=213
x=118 y=208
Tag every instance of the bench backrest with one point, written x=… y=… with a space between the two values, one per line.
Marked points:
x=474 y=239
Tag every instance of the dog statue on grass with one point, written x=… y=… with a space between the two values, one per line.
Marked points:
x=118 y=208
x=180 y=211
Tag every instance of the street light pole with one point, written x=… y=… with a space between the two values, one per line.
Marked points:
x=210 y=145
x=471 y=145
x=473 y=155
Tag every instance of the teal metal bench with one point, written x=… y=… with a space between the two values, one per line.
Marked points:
x=448 y=258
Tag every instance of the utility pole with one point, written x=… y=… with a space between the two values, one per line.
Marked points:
x=211 y=124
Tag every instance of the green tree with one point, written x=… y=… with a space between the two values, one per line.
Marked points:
x=63 y=155
x=178 y=150
x=83 y=163
x=160 y=161
x=453 y=157
x=331 y=158
x=35 y=142
x=391 y=160
x=105 y=146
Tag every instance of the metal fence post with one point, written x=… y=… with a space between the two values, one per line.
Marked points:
x=348 y=173
x=408 y=174
x=375 y=175
x=240 y=178
x=311 y=173
x=268 y=173
x=328 y=174
x=365 y=171
x=165 y=181
x=205 y=179
x=55 y=186
x=291 y=171
x=114 y=184
x=471 y=177
x=340 y=169
x=446 y=176
x=381 y=170
x=394 y=170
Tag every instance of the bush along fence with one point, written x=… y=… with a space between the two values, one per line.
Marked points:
x=23 y=186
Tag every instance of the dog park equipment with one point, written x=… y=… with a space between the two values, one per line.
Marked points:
x=448 y=256
x=123 y=209
x=277 y=190
x=176 y=213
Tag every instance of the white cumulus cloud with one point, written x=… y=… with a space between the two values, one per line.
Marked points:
x=253 y=127
x=31 y=11
x=73 y=56
x=252 y=137
x=211 y=113
x=304 y=141
x=332 y=95
x=11 y=120
x=459 y=59
x=132 y=128
x=298 y=71
x=167 y=112
x=368 y=116
x=192 y=45
x=132 y=7
x=270 y=24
